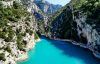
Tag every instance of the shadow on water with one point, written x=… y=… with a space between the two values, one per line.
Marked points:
x=75 y=51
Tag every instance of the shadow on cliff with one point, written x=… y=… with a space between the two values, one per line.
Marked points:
x=74 y=51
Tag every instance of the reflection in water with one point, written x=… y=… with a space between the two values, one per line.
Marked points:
x=59 y=52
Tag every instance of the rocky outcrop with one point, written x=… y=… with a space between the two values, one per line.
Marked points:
x=28 y=4
x=7 y=4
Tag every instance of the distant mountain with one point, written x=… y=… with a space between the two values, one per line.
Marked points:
x=42 y=10
x=47 y=7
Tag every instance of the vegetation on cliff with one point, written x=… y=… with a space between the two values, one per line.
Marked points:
x=16 y=28
x=79 y=21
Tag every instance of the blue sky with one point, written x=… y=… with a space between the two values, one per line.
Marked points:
x=61 y=2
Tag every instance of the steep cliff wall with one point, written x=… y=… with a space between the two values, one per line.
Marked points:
x=17 y=25
x=78 y=21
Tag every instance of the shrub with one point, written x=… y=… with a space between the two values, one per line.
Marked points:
x=36 y=36
x=20 y=43
x=29 y=31
x=8 y=49
x=11 y=34
x=2 y=56
x=16 y=5
x=2 y=35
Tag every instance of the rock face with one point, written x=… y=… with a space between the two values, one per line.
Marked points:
x=7 y=4
x=78 y=21
x=17 y=25
x=27 y=4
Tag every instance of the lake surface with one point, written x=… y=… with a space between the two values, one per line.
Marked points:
x=59 y=52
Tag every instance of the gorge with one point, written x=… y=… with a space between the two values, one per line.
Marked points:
x=22 y=22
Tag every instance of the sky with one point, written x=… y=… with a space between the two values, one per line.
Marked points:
x=61 y=2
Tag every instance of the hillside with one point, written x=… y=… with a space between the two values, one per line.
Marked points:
x=78 y=21
x=17 y=25
x=20 y=20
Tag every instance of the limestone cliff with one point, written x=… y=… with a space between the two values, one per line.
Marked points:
x=17 y=25
x=78 y=21
x=19 y=22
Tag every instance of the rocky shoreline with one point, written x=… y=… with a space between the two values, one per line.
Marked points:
x=30 y=46
x=96 y=54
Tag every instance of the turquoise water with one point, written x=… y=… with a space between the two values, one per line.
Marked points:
x=59 y=52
